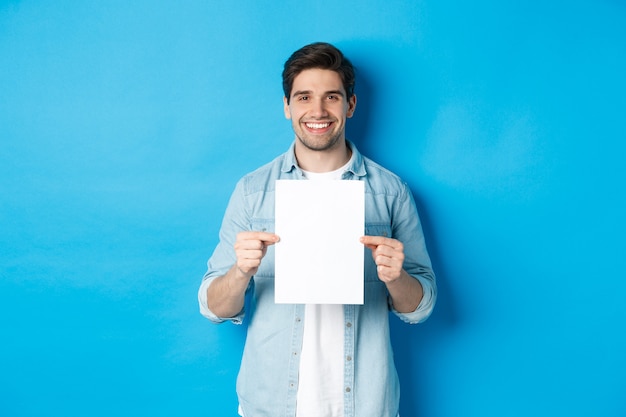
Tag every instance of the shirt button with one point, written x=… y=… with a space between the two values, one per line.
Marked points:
x=348 y=324
x=348 y=389
x=348 y=358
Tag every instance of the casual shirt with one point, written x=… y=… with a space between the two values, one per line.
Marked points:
x=267 y=383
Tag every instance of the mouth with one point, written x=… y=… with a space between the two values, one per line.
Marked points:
x=317 y=126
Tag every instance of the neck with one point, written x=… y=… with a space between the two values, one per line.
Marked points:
x=322 y=161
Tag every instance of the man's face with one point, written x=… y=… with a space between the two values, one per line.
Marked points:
x=318 y=109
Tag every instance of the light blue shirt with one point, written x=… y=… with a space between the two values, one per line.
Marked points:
x=268 y=378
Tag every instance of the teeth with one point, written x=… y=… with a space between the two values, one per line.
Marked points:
x=317 y=125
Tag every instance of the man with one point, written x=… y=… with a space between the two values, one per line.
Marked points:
x=319 y=360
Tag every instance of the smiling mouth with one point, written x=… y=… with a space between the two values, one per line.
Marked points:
x=317 y=125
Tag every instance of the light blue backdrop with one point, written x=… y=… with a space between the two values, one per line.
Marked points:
x=125 y=125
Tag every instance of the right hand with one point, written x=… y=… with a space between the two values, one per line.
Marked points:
x=250 y=248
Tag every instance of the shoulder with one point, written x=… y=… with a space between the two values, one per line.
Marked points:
x=381 y=180
x=261 y=179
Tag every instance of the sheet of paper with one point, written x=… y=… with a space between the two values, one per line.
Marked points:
x=319 y=259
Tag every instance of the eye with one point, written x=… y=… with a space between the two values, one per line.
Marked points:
x=303 y=98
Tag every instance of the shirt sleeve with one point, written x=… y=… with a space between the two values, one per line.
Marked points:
x=425 y=307
x=204 y=306
x=223 y=258
x=407 y=228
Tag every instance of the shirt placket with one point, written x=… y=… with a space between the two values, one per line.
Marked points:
x=294 y=360
x=348 y=373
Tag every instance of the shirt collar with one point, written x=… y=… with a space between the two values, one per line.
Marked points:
x=356 y=164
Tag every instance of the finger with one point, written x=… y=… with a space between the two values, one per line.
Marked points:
x=266 y=237
x=381 y=240
x=249 y=260
x=249 y=245
x=383 y=270
x=251 y=253
x=388 y=274
x=248 y=267
x=389 y=256
x=385 y=250
x=388 y=261
x=371 y=247
x=250 y=241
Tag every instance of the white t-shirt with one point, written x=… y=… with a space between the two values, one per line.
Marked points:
x=320 y=386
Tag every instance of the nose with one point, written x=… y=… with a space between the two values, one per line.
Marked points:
x=318 y=109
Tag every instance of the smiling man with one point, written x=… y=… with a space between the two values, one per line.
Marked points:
x=319 y=360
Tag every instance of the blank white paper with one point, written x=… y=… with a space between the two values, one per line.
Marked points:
x=319 y=259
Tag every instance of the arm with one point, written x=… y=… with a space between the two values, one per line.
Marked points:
x=405 y=291
x=225 y=295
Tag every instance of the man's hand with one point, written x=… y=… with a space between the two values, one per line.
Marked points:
x=250 y=249
x=225 y=295
x=388 y=255
x=405 y=291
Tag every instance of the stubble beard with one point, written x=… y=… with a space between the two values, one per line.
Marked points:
x=323 y=143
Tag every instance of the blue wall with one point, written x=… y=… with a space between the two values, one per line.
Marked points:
x=125 y=125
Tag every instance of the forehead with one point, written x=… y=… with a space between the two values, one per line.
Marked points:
x=317 y=80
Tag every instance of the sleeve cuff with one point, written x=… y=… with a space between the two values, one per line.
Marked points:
x=425 y=307
x=204 y=305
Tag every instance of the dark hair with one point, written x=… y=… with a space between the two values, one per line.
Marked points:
x=318 y=55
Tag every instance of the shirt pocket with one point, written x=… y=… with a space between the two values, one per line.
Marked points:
x=266 y=270
x=262 y=225
x=378 y=229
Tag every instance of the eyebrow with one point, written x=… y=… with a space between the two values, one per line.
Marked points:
x=308 y=92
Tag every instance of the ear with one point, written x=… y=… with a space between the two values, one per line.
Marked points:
x=286 y=108
x=351 y=106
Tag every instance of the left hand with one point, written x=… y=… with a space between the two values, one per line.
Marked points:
x=388 y=256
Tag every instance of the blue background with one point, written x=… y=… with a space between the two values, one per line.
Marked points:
x=125 y=125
